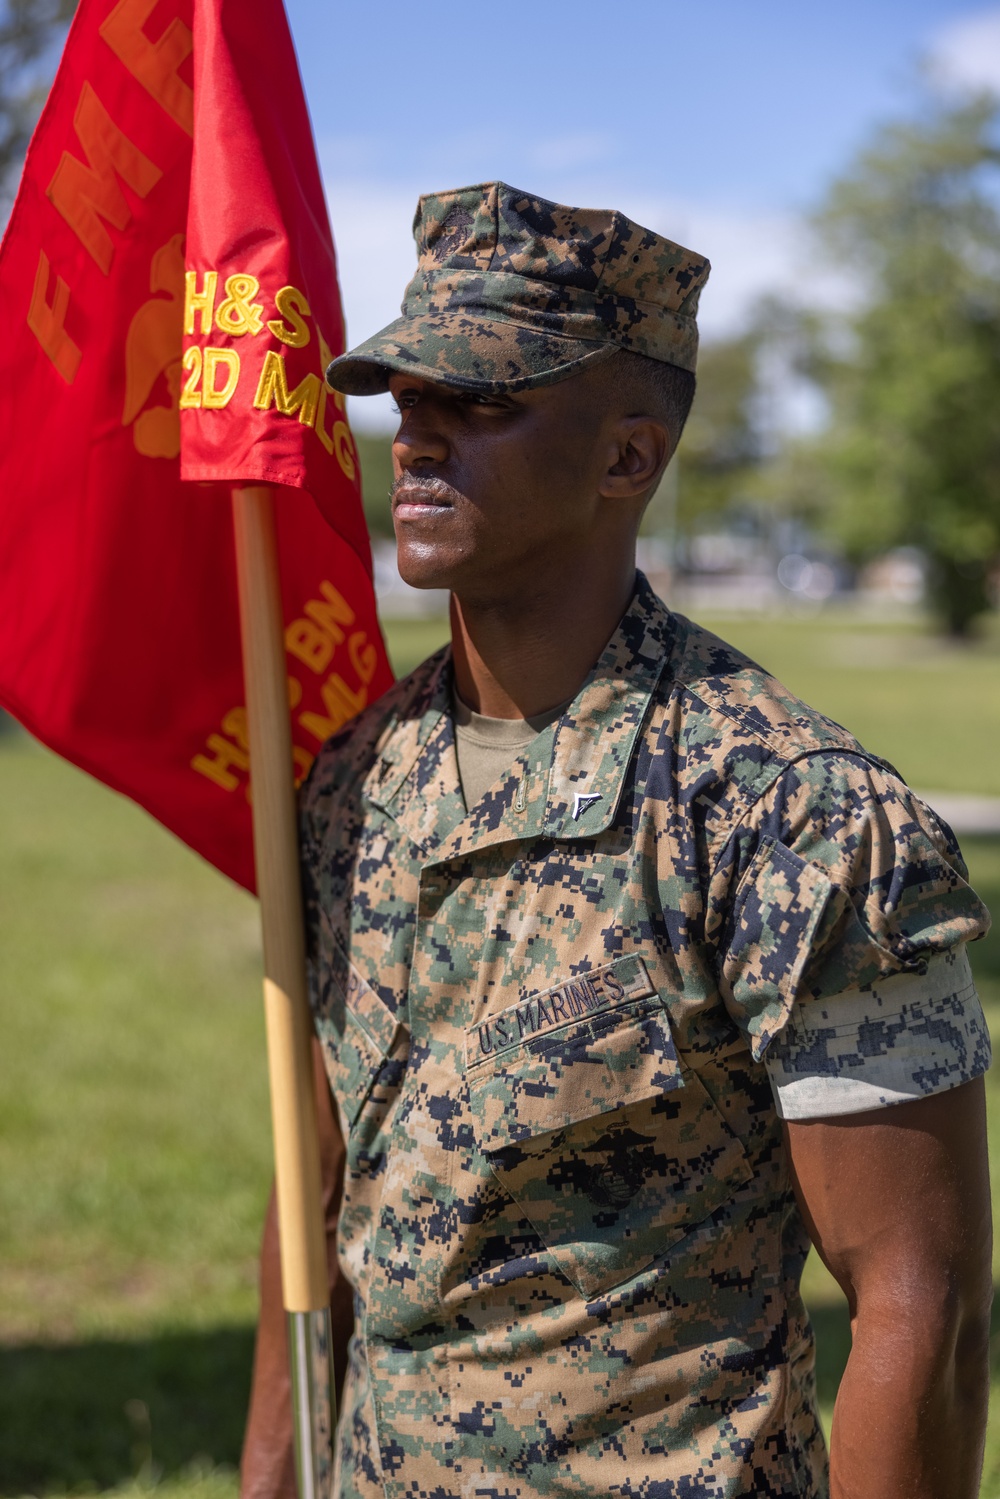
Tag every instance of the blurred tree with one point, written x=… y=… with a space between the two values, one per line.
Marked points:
x=722 y=443
x=30 y=31
x=912 y=452
x=375 y=453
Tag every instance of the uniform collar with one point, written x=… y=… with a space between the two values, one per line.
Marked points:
x=568 y=782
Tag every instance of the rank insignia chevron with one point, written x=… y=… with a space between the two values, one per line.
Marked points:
x=582 y=800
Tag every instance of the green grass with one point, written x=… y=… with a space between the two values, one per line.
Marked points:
x=134 y=1143
x=410 y=641
x=134 y=1137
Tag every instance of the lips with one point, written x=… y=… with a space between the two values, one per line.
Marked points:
x=421 y=501
x=407 y=508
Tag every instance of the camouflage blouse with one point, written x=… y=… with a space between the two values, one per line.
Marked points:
x=567 y=1212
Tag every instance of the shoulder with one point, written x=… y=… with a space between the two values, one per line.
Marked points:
x=775 y=779
x=731 y=730
x=734 y=696
x=774 y=783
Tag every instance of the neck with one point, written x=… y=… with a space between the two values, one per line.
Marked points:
x=519 y=658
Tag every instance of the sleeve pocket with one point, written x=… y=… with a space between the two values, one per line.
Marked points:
x=780 y=905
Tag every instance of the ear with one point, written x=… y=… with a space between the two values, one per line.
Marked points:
x=643 y=447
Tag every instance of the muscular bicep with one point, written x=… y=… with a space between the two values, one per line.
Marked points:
x=896 y=1199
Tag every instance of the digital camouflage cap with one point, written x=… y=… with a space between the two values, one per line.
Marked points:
x=513 y=291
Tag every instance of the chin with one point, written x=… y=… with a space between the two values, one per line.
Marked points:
x=421 y=567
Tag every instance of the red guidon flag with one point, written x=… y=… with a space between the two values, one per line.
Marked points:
x=168 y=299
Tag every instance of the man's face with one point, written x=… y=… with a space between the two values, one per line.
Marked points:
x=494 y=492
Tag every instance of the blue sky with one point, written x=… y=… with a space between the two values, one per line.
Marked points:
x=718 y=125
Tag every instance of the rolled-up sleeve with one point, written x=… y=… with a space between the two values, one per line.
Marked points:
x=903 y=1038
x=844 y=946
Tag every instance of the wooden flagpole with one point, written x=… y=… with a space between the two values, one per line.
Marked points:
x=293 y=1106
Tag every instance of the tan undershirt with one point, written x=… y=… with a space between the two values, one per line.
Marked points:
x=486 y=747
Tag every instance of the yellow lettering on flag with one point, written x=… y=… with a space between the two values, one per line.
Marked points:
x=313 y=639
x=238 y=314
x=225 y=757
x=153 y=64
x=330 y=612
x=212 y=397
x=85 y=195
x=309 y=644
x=199 y=303
x=200 y=386
x=364 y=656
x=47 y=321
x=191 y=394
x=325 y=360
x=272 y=389
x=338 y=442
x=343 y=444
x=341 y=703
x=294 y=308
x=324 y=436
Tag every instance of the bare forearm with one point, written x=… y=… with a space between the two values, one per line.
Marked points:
x=910 y=1416
x=267 y=1466
x=897 y=1202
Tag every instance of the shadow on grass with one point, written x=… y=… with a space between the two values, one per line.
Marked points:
x=93 y=1415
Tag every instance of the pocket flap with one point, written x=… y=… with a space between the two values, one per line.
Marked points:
x=781 y=901
x=358 y=1033
x=370 y=1012
x=580 y=1049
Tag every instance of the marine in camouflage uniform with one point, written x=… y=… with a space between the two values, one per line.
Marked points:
x=561 y=1025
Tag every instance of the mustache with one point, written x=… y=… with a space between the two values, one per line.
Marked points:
x=426 y=488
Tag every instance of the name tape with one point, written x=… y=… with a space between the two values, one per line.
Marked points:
x=588 y=993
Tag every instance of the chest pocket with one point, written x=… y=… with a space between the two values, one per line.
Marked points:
x=359 y=1035
x=609 y=1145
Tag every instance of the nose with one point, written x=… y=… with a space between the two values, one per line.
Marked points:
x=420 y=441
